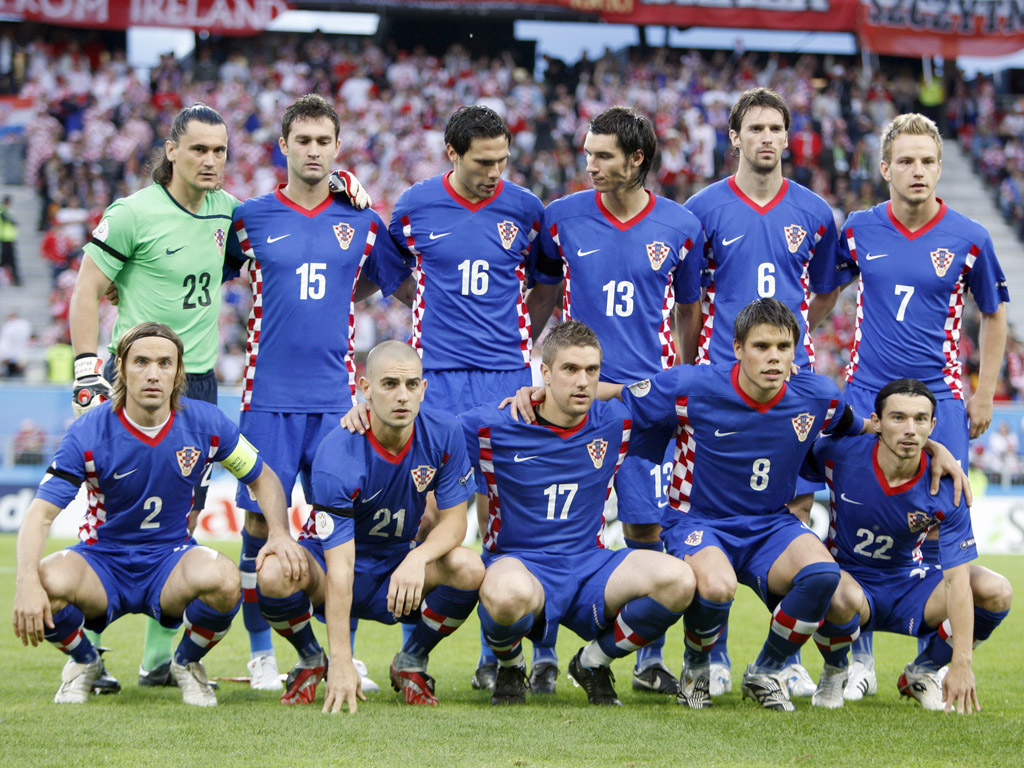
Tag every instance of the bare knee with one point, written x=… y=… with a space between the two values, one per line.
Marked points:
x=994 y=593
x=507 y=597
x=463 y=569
x=717 y=587
x=270 y=578
x=846 y=601
x=220 y=584
x=675 y=585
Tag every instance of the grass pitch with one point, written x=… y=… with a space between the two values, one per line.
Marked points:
x=151 y=727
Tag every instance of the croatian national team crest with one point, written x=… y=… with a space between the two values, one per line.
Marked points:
x=918 y=520
x=802 y=424
x=344 y=233
x=187 y=458
x=220 y=238
x=694 y=539
x=942 y=258
x=657 y=252
x=422 y=475
x=597 y=450
x=795 y=235
x=507 y=231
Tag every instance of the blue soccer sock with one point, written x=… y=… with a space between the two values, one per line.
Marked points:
x=290 y=618
x=651 y=654
x=204 y=628
x=863 y=649
x=834 y=641
x=505 y=641
x=546 y=654
x=798 y=615
x=703 y=621
x=407 y=630
x=938 y=650
x=443 y=611
x=640 y=621
x=720 y=650
x=261 y=639
x=486 y=654
x=69 y=636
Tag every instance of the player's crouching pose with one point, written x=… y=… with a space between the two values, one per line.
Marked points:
x=547 y=485
x=369 y=493
x=140 y=456
x=881 y=512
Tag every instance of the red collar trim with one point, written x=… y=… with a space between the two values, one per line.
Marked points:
x=622 y=226
x=283 y=198
x=150 y=441
x=918 y=232
x=474 y=207
x=887 y=489
x=385 y=453
x=760 y=209
x=759 y=407
x=567 y=432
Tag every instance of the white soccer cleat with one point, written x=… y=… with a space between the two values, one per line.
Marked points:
x=829 y=693
x=926 y=687
x=799 y=682
x=76 y=681
x=195 y=686
x=368 y=685
x=767 y=689
x=263 y=674
x=863 y=682
x=694 y=687
x=721 y=680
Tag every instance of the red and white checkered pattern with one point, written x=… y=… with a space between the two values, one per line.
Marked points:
x=249 y=594
x=952 y=370
x=668 y=346
x=253 y=328
x=567 y=290
x=493 y=502
x=681 y=487
x=201 y=636
x=627 y=639
x=792 y=629
x=805 y=305
x=96 y=514
x=627 y=430
x=830 y=542
x=421 y=281
x=699 y=644
x=851 y=368
x=946 y=634
x=707 y=311
x=443 y=625
x=72 y=641
x=523 y=315
x=294 y=624
x=836 y=643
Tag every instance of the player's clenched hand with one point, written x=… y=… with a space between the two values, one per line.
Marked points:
x=343 y=687
x=91 y=388
x=357 y=419
x=405 y=590
x=345 y=183
x=979 y=415
x=111 y=294
x=521 y=404
x=292 y=556
x=959 y=690
x=32 y=614
x=943 y=463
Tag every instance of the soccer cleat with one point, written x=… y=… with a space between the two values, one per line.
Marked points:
x=655 y=679
x=195 y=686
x=106 y=682
x=542 y=678
x=829 y=693
x=926 y=687
x=695 y=687
x=799 y=682
x=767 y=690
x=263 y=674
x=157 y=676
x=862 y=682
x=76 y=681
x=511 y=685
x=484 y=677
x=721 y=680
x=300 y=686
x=365 y=682
x=415 y=685
x=596 y=682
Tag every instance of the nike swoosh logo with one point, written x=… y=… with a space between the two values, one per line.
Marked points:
x=125 y=474
x=662 y=503
x=275 y=239
x=871 y=257
x=844 y=497
x=371 y=498
x=730 y=242
x=436 y=237
x=517 y=458
x=174 y=251
x=724 y=434
x=248 y=559
x=581 y=253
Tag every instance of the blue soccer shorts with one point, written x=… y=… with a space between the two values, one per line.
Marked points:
x=897 y=599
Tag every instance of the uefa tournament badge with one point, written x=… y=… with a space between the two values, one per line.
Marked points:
x=657 y=252
x=802 y=424
x=795 y=235
x=187 y=458
x=220 y=238
x=324 y=524
x=942 y=258
x=422 y=475
x=344 y=233
x=597 y=450
x=507 y=231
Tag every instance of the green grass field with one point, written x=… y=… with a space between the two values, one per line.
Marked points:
x=144 y=726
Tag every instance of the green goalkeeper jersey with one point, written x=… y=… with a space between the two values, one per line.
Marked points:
x=167 y=264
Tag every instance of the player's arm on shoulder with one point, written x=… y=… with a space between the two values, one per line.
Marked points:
x=958 y=688
x=365 y=288
x=521 y=404
x=992 y=346
x=31 y=604
x=540 y=302
x=687 y=331
x=944 y=464
x=820 y=306
x=343 y=683
x=90 y=388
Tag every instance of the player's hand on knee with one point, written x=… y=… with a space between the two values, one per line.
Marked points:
x=32 y=615
x=345 y=183
x=289 y=552
x=91 y=388
x=343 y=687
x=405 y=589
x=521 y=404
x=357 y=420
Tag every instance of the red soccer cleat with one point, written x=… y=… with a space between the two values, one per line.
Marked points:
x=300 y=687
x=415 y=685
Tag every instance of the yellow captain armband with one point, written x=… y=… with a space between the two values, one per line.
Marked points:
x=241 y=460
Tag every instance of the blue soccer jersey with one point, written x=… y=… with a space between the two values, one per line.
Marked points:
x=363 y=491
x=876 y=528
x=786 y=250
x=624 y=278
x=303 y=268
x=471 y=263
x=733 y=455
x=140 y=488
x=910 y=297
x=547 y=486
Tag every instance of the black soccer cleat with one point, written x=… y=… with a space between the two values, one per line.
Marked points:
x=596 y=682
x=484 y=677
x=106 y=682
x=510 y=686
x=543 y=675
x=655 y=679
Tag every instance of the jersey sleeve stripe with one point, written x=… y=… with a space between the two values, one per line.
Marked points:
x=107 y=249
x=349 y=512
x=74 y=480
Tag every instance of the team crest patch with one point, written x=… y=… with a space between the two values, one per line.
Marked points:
x=640 y=388
x=507 y=231
x=942 y=258
x=795 y=235
x=324 y=524
x=187 y=459
x=597 y=450
x=422 y=475
x=657 y=252
x=918 y=520
x=220 y=238
x=695 y=538
x=344 y=233
x=802 y=424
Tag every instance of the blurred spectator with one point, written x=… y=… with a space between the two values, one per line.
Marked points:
x=1001 y=458
x=29 y=444
x=8 y=241
x=15 y=335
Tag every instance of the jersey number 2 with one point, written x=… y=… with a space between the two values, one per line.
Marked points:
x=196 y=283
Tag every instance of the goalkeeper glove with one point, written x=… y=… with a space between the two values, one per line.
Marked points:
x=345 y=183
x=91 y=388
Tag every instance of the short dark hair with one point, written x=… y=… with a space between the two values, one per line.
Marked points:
x=571 y=333
x=633 y=132
x=312 y=106
x=765 y=312
x=912 y=387
x=474 y=122
x=757 y=97
x=163 y=169
x=129 y=337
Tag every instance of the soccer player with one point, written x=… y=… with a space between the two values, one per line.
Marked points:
x=630 y=265
x=140 y=457
x=767 y=237
x=546 y=563
x=917 y=258
x=881 y=511
x=307 y=250
x=369 y=494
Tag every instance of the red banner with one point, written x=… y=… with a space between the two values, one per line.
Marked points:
x=223 y=17
x=947 y=28
x=819 y=15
